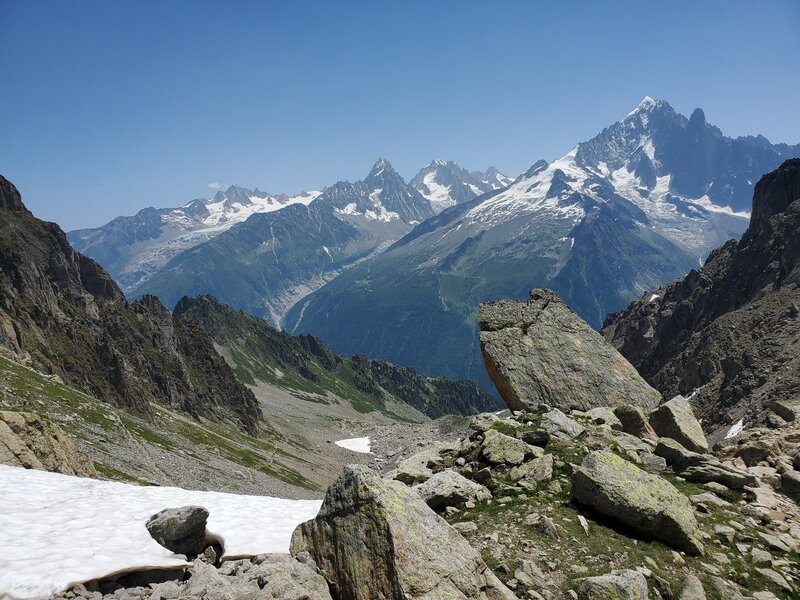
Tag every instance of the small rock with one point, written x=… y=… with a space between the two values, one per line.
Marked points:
x=775 y=578
x=790 y=484
x=557 y=424
x=542 y=524
x=603 y=415
x=181 y=530
x=449 y=489
x=465 y=527
x=692 y=589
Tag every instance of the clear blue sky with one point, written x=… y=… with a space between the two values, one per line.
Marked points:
x=110 y=106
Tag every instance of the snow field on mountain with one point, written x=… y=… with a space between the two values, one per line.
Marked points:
x=57 y=530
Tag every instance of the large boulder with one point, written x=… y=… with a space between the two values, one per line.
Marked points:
x=377 y=539
x=534 y=471
x=26 y=440
x=675 y=419
x=449 y=488
x=619 y=489
x=543 y=353
x=182 y=529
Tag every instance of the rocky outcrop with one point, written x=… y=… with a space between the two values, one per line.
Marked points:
x=64 y=315
x=675 y=420
x=616 y=488
x=28 y=441
x=376 y=538
x=182 y=530
x=728 y=330
x=701 y=468
x=543 y=353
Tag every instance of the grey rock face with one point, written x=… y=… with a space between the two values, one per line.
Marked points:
x=543 y=353
x=375 y=538
x=181 y=530
x=675 y=419
x=616 y=488
x=448 y=488
x=28 y=441
x=617 y=585
x=790 y=484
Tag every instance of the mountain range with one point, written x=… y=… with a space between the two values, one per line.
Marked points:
x=396 y=269
x=638 y=205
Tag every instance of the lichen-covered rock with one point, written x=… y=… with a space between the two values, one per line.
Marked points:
x=501 y=449
x=448 y=488
x=635 y=422
x=483 y=422
x=701 y=468
x=557 y=424
x=377 y=539
x=26 y=440
x=619 y=489
x=543 y=353
x=602 y=415
x=675 y=419
x=182 y=530
x=536 y=470
x=418 y=467
x=617 y=585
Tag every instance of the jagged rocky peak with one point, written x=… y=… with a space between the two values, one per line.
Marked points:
x=10 y=197
x=774 y=193
x=444 y=183
x=382 y=168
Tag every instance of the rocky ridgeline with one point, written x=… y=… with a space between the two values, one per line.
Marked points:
x=727 y=333
x=602 y=504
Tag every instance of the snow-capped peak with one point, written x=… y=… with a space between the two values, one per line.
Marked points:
x=646 y=105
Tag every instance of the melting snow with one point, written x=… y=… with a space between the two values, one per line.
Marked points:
x=57 y=530
x=736 y=429
x=361 y=444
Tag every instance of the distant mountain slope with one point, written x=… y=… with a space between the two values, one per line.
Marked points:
x=616 y=216
x=268 y=262
x=61 y=312
x=303 y=364
x=728 y=333
x=133 y=248
x=445 y=184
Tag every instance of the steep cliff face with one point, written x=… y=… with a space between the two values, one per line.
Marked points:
x=728 y=332
x=60 y=311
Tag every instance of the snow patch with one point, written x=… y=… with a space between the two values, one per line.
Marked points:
x=736 y=429
x=57 y=530
x=360 y=444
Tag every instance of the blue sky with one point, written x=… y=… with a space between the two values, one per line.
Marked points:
x=108 y=107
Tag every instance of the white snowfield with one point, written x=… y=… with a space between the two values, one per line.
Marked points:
x=57 y=530
x=361 y=444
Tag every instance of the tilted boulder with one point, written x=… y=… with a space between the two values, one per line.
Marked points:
x=675 y=419
x=376 y=538
x=182 y=530
x=619 y=489
x=448 y=488
x=543 y=353
x=536 y=470
x=28 y=441
x=602 y=415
